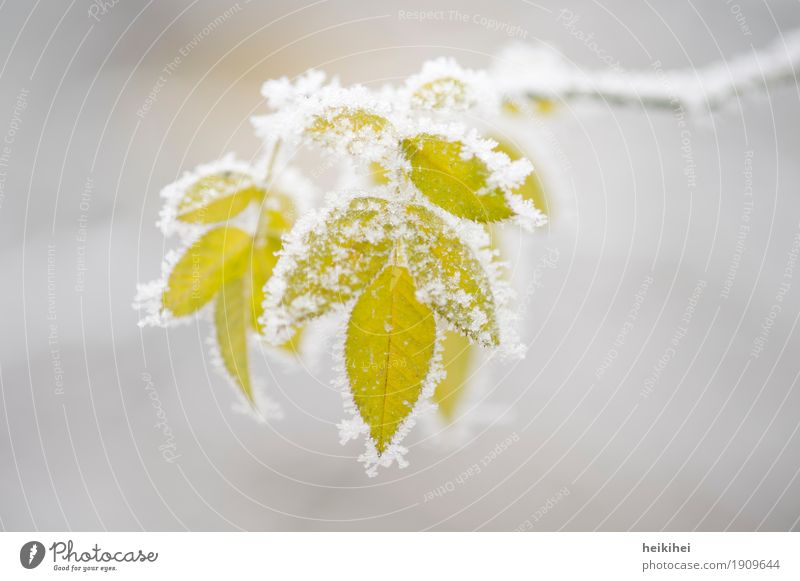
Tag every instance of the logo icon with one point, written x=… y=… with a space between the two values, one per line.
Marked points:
x=31 y=554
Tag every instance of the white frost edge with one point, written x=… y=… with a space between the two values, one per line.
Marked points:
x=148 y=295
x=279 y=326
x=477 y=240
x=479 y=90
x=353 y=426
x=173 y=193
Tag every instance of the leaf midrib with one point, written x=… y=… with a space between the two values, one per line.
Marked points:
x=392 y=284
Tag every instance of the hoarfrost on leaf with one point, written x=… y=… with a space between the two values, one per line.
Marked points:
x=408 y=259
x=449 y=277
x=442 y=85
x=327 y=260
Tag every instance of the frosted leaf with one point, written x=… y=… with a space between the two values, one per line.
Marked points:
x=218 y=197
x=443 y=85
x=388 y=351
x=218 y=256
x=208 y=183
x=230 y=320
x=326 y=261
x=289 y=102
x=533 y=187
x=449 y=277
x=360 y=133
x=354 y=426
x=280 y=93
x=350 y=122
x=470 y=178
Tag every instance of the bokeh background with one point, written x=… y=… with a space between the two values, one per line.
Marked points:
x=707 y=439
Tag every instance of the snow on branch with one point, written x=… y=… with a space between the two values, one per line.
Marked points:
x=526 y=72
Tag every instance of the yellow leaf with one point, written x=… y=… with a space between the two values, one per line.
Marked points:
x=230 y=318
x=262 y=261
x=540 y=105
x=457 y=356
x=292 y=345
x=278 y=214
x=378 y=174
x=388 y=352
x=458 y=185
x=450 y=277
x=219 y=255
x=217 y=197
x=439 y=93
x=349 y=128
x=511 y=107
x=343 y=119
x=544 y=106
x=338 y=260
x=533 y=188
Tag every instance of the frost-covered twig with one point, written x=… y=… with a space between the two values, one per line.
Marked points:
x=524 y=72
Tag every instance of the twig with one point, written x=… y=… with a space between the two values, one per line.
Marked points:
x=531 y=73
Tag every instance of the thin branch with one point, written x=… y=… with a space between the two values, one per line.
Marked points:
x=531 y=73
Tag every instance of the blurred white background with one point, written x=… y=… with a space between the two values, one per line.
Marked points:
x=714 y=446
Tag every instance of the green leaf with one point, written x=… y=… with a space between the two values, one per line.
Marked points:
x=388 y=352
x=450 y=277
x=336 y=260
x=457 y=356
x=218 y=256
x=533 y=188
x=459 y=186
x=230 y=318
x=217 y=197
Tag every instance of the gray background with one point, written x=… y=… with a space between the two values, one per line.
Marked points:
x=715 y=446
